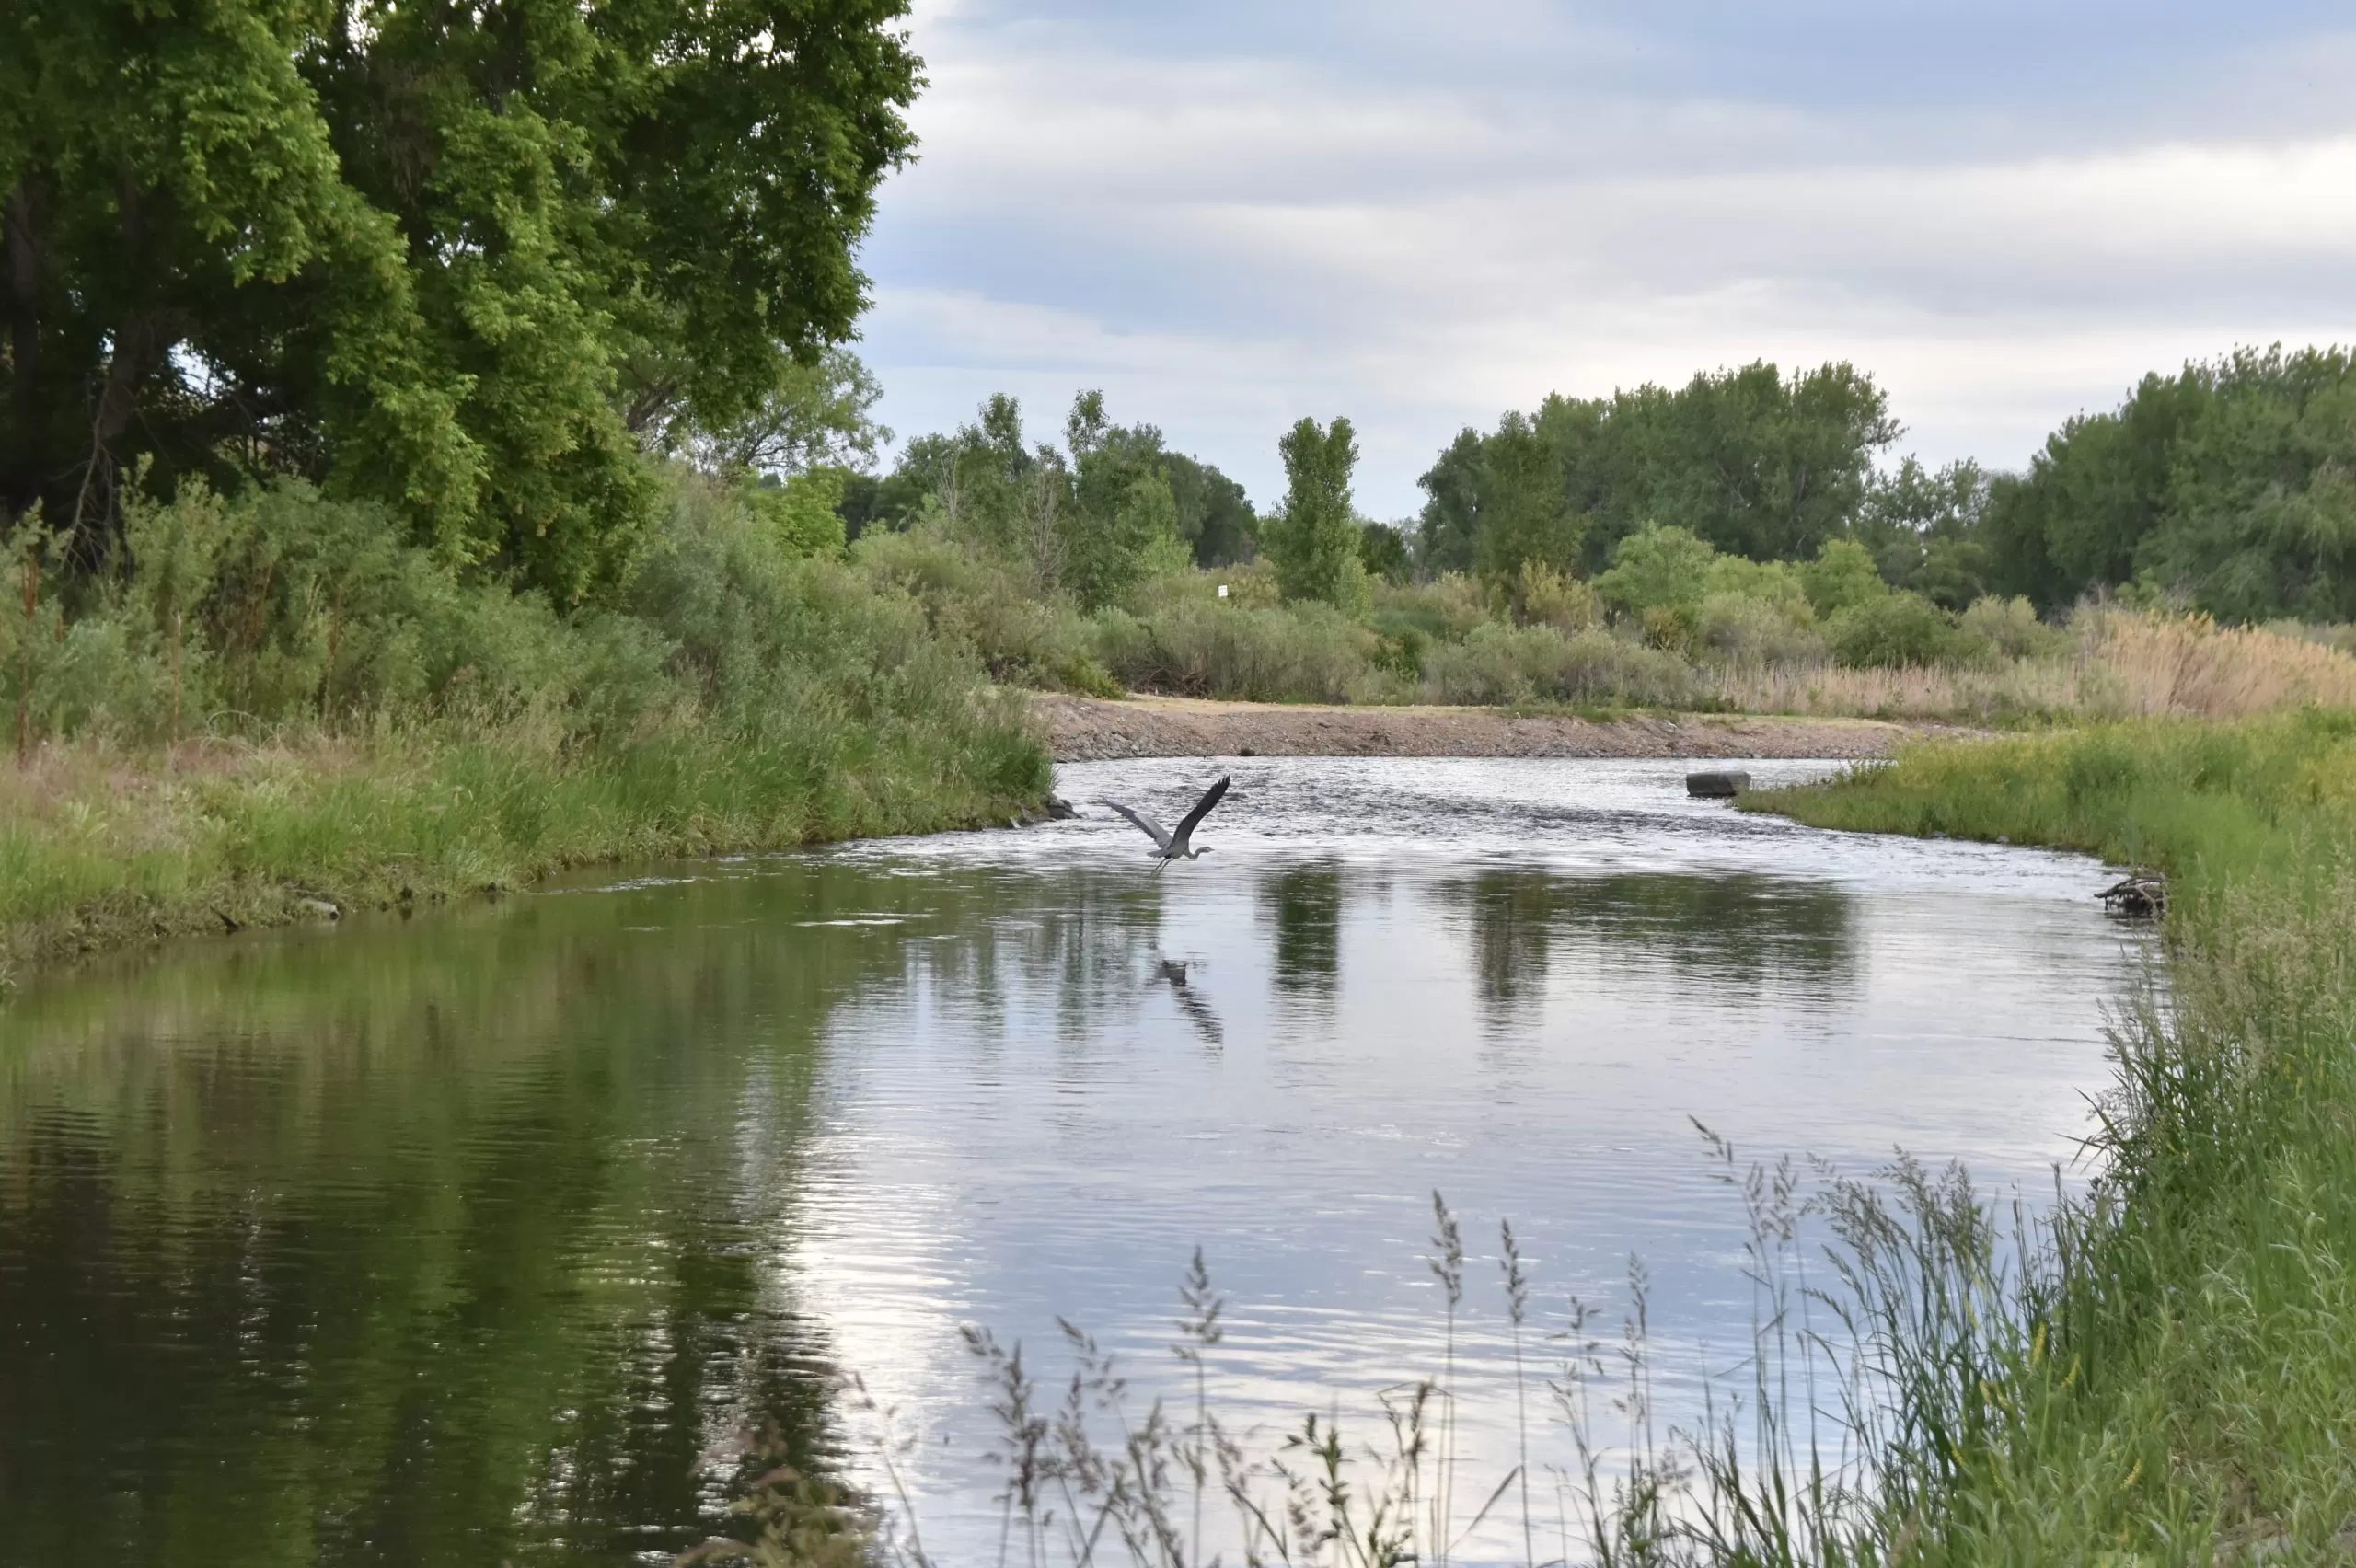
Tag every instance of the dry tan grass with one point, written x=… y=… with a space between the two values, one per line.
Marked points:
x=2123 y=663
x=2190 y=667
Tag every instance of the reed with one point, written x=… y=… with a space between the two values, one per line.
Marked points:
x=1828 y=1442
x=2172 y=1383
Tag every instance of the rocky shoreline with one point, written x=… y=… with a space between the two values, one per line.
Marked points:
x=1084 y=729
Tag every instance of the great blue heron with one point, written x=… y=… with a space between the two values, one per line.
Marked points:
x=1170 y=844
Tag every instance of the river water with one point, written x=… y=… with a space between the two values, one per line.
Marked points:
x=498 y=1235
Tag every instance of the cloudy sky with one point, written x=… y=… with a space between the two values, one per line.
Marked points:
x=1228 y=215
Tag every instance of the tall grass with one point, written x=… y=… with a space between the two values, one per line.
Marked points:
x=2176 y=1385
x=279 y=704
x=1829 y=1442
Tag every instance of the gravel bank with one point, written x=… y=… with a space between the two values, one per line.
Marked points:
x=1084 y=729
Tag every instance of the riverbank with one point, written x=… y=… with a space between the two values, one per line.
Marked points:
x=2173 y=1381
x=102 y=849
x=1082 y=728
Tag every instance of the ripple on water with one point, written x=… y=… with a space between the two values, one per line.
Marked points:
x=466 y=1238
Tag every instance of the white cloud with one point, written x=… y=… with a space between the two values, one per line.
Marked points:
x=1224 y=241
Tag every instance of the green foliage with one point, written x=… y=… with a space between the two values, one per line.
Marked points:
x=1842 y=576
x=980 y=604
x=1539 y=596
x=1214 y=517
x=409 y=727
x=2169 y=1381
x=1125 y=510
x=1313 y=542
x=1750 y=461
x=2011 y=628
x=1893 y=630
x=1445 y=609
x=1773 y=583
x=2229 y=483
x=1525 y=664
x=1303 y=652
x=1092 y=519
x=1382 y=551
x=1747 y=629
x=1523 y=515
x=804 y=508
x=1926 y=531
x=818 y=415
x=450 y=263
x=1657 y=568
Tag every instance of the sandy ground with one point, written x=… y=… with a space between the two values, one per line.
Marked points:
x=1089 y=730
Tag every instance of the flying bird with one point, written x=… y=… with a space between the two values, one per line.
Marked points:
x=1174 y=844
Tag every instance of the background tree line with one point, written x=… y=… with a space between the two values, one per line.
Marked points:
x=2230 y=486
x=481 y=267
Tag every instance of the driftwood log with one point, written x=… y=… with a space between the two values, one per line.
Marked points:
x=2142 y=892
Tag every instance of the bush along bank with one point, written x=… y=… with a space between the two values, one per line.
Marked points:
x=2170 y=1376
x=279 y=704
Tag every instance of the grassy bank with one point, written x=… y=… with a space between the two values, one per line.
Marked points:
x=100 y=846
x=281 y=703
x=2172 y=1380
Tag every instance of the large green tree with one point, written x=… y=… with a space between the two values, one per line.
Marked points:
x=1314 y=543
x=1091 y=518
x=463 y=257
x=2232 y=483
x=1755 y=462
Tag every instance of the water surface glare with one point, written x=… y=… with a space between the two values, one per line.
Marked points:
x=488 y=1237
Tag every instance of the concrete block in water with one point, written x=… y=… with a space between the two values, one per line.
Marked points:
x=1718 y=785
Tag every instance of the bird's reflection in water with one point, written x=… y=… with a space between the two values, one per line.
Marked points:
x=1191 y=1001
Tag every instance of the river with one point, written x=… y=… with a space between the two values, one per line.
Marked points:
x=499 y=1234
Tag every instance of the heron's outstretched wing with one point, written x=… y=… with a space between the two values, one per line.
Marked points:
x=1202 y=808
x=1153 y=829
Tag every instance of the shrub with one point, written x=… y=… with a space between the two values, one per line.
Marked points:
x=1540 y=595
x=1657 y=569
x=1841 y=577
x=1892 y=631
x=2011 y=628
x=980 y=604
x=1446 y=609
x=1382 y=551
x=1774 y=582
x=804 y=510
x=1309 y=653
x=1519 y=665
x=1740 y=629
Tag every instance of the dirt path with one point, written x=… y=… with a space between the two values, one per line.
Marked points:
x=1085 y=729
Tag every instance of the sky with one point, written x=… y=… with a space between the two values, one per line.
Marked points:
x=1228 y=215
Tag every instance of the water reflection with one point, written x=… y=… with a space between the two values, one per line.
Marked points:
x=1302 y=906
x=445 y=1245
x=1187 y=992
x=490 y=1238
x=1741 y=933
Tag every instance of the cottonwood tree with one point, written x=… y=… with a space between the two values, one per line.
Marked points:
x=1751 y=461
x=457 y=258
x=2232 y=483
x=1090 y=519
x=1314 y=542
